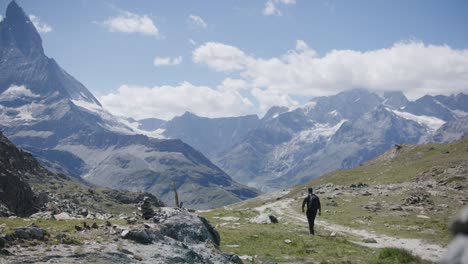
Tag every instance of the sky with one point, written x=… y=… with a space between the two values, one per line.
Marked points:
x=215 y=58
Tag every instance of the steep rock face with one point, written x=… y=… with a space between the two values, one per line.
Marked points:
x=210 y=136
x=15 y=192
x=47 y=112
x=450 y=131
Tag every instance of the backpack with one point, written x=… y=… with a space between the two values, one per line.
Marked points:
x=313 y=203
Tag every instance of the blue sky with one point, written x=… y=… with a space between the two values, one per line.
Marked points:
x=240 y=57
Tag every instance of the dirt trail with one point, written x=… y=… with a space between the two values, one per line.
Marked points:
x=431 y=252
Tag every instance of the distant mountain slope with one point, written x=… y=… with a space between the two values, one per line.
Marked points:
x=26 y=187
x=47 y=112
x=292 y=146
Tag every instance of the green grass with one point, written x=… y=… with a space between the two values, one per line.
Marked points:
x=266 y=242
x=396 y=255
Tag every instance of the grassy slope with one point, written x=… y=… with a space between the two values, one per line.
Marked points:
x=412 y=163
x=409 y=164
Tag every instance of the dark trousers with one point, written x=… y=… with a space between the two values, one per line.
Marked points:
x=311 y=218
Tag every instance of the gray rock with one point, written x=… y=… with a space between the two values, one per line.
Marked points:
x=142 y=236
x=369 y=240
x=43 y=215
x=332 y=204
x=63 y=216
x=373 y=206
x=30 y=233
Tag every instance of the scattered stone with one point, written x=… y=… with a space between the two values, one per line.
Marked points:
x=233 y=246
x=78 y=228
x=95 y=225
x=63 y=216
x=369 y=240
x=43 y=215
x=366 y=193
x=373 y=206
x=131 y=221
x=287 y=241
x=249 y=258
x=264 y=219
x=418 y=197
x=125 y=251
x=423 y=216
x=332 y=204
x=359 y=185
x=108 y=223
x=143 y=236
x=333 y=234
x=396 y=208
x=85 y=225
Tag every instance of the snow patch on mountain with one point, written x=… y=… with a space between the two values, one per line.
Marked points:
x=317 y=131
x=115 y=123
x=432 y=123
x=14 y=92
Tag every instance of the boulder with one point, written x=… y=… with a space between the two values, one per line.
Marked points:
x=142 y=236
x=30 y=233
x=63 y=216
x=264 y=219
x=332 y=204
x=43 y=215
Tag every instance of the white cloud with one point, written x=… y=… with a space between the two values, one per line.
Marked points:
x=165 y=102
x=271 y=6
x=220 y=57
x=412 y=67
x=197 y=21
x=132 y=23
x=268 y=98
x=41 y=26
x=160 y=61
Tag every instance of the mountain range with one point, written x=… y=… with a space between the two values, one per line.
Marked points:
x=290 y=146
x=47 y=112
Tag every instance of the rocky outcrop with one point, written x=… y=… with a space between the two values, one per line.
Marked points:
x=175 y=235
x=15 y=193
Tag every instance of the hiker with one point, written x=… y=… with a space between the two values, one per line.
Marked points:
x=313 y=204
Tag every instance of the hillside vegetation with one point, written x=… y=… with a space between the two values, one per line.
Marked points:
x=404 y=198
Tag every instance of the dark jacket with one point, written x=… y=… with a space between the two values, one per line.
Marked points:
x=313 y=203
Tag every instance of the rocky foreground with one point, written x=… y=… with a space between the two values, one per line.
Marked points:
x=173 y=235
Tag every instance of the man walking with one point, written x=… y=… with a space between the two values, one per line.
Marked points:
x=313 y=204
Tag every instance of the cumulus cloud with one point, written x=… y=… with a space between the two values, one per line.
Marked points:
x=131 y=23
x=271 y=6
x=41 y=26
x=197 y=21
x=161 y=61
x=412 y=67
x=165 y=102
x=220 y=57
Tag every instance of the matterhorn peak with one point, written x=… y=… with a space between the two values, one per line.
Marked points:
x=17 y=30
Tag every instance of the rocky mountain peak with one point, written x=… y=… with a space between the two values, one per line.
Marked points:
x=17 y=30
x=395 y=99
